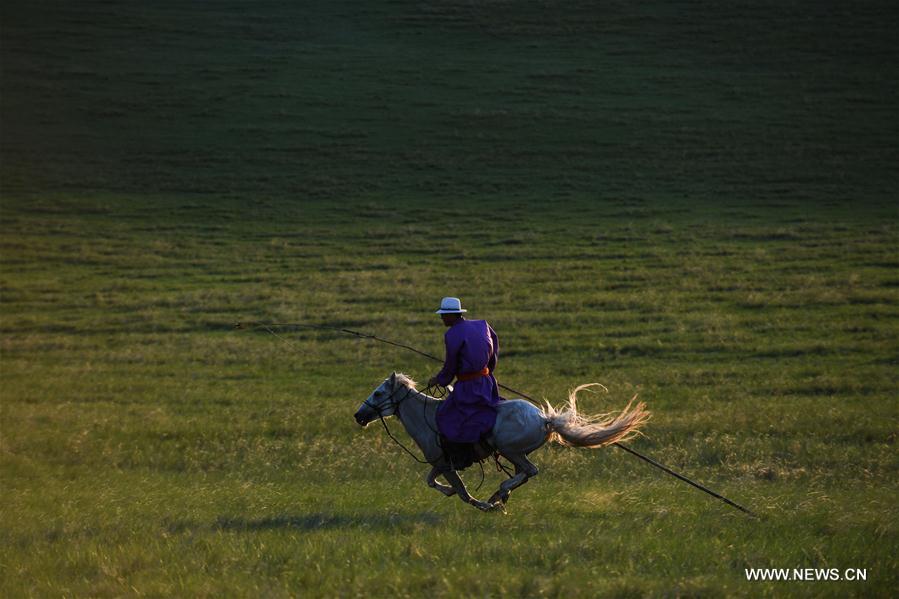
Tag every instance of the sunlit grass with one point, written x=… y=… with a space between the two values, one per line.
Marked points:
x=151 y=448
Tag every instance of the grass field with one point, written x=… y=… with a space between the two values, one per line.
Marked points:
x=691 y=201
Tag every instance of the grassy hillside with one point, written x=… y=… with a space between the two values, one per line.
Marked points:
x=692 y=202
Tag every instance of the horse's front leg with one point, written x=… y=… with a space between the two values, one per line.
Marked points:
x=432 y=482
x=456 y=481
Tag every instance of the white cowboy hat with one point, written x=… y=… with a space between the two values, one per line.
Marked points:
x=450 y=305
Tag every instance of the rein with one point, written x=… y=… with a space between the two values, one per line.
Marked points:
x=397 y=441
x=395 y=405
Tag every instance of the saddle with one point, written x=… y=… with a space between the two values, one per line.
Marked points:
x=462 y=455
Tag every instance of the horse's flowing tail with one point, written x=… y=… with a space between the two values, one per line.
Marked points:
x=569 y=427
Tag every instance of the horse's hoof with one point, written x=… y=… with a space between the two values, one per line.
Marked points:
x=500 y=497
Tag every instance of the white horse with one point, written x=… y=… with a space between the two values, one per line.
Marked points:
x=521 y=427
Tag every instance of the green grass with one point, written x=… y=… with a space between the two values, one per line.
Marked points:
x=692 y=202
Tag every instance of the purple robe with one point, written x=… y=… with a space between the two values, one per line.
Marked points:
x=469 y=412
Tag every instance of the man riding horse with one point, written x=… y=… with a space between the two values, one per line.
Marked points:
x=469 y=412
x=475 y=412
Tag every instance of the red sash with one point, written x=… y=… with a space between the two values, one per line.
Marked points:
x=470 y=376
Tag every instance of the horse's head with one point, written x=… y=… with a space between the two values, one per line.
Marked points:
x=382 y=402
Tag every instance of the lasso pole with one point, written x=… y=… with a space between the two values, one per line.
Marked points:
x=647 y=459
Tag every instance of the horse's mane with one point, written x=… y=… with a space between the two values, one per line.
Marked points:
x=406 y=381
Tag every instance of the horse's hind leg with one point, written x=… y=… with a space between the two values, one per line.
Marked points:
x=432 y=482
x=456 y=481
x=524 y=469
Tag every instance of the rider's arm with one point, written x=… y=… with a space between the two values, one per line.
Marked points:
x=491 y=363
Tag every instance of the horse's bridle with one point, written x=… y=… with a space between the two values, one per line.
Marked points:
x=380 y=408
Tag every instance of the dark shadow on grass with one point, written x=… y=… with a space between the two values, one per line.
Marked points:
x=324 y=521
